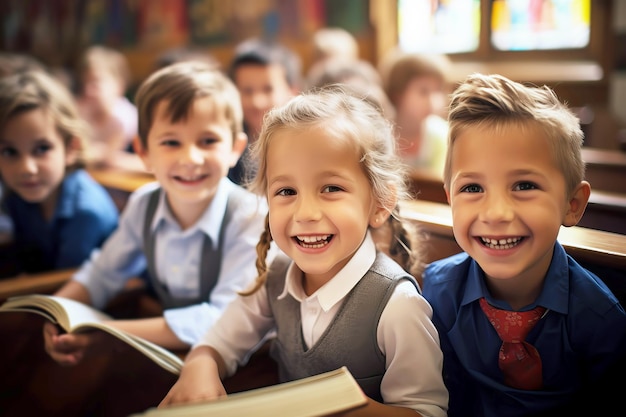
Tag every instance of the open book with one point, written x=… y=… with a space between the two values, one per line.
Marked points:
x=319 y=395
x=74 y=317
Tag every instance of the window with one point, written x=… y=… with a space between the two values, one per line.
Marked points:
x=526 y=25
x=530 y=40
x=439 y=27
x=454 y=26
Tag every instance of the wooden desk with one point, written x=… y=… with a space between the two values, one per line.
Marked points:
x=43 y=283
x=119 y=179
x=120 y=183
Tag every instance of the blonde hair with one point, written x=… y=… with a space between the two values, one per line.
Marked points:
x=180 y=84
x=37 y=89
x=345 y=116
x=495 y=101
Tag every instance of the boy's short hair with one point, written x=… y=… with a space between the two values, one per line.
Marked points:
x=180 y=84
x=256 y=51
x=495 y=101
x=399 y=68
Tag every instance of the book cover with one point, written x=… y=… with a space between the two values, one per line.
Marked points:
x=319 y=395
x=75 y=317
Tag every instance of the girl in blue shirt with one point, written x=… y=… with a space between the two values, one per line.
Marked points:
x=514 y=176
x=59 y=213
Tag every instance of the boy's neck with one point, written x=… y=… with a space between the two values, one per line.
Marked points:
x=518 y=293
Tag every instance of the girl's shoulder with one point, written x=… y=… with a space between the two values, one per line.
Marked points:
x=86 y=194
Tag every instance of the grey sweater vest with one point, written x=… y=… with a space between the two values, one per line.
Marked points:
x=349 y=340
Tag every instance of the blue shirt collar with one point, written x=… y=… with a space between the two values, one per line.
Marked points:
x=556 y=284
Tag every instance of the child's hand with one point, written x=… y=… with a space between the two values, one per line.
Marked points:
x=65 y=349
x=69 y=349
x=198 y=381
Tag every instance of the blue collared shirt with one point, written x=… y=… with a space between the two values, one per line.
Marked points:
x=178 y=256
x=84 y=217
x=580 y=337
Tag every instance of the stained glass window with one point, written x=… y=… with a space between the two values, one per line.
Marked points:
x=526 y=25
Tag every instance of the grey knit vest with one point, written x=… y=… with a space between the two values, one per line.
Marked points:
x=349 y=340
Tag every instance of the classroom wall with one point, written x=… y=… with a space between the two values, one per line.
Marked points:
x=617 y=101
x=144 y=29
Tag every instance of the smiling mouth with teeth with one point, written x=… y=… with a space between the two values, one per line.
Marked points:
x=501 y=243
x=190 y=179
x=313 y=242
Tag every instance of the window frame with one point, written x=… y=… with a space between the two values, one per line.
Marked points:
x=592 y=63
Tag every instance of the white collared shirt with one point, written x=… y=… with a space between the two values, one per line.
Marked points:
x=177 y=256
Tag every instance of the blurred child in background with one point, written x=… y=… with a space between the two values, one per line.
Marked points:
x=334 y=42
x=59 y=213
x=267 y=75
x=417 y=85
x=357 y=76
x=103 y=77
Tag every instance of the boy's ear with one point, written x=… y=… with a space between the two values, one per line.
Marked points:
x=141 y=151
x=137 y=146
x=240 y=141
x=577 y=204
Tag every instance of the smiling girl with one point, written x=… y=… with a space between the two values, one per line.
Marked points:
x=328 y=168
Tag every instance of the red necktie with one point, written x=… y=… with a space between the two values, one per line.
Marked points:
x=519 y=361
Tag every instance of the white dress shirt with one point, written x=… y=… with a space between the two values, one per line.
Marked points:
x=177 y=256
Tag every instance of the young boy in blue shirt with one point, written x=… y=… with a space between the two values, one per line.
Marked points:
x=196 y=234
x=513 y=176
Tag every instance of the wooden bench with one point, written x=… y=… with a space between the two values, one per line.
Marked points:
x=606 y=169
